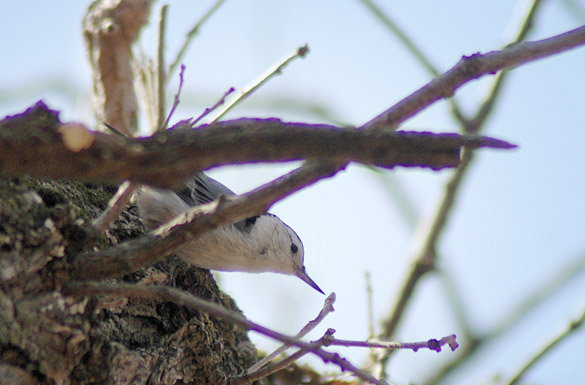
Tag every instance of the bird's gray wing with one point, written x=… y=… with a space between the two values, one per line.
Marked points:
x=202 y=189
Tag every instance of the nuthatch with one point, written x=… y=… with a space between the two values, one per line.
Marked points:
x=262 y=243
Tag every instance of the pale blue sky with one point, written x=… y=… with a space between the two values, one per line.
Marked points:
x=520 y=216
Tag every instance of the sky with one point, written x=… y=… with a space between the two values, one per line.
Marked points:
x=520 y=215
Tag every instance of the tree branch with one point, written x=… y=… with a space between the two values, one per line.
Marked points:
x=248 y=378
x=548 y=346
x=249 y=89
x=473 y=67
x=432 y=344
x=424 y=257
x=102 y=157
x=191 y=34
x=160 y=75
x=327 y=308
x=115 y=207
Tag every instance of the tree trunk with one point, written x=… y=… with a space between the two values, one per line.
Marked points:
x=49 y=338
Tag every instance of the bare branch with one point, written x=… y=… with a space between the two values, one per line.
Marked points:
x=262 y=372
x=190 y=35
x=208 y=110
x=250 y=377
x=327 y=308
x=329 y=340
x=153 y=160
x=474 y=125
x=276 y=69
x=431 y=344
x=424 y=257
x=160 y=76
x=370 y=301
x=548 y=346
x=473 y=67
x=177 y=100
x=115 y=207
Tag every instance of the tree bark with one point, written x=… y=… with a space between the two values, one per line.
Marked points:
x=49 y=338
x=168 y=158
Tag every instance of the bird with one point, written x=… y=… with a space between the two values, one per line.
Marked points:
x=260 y=243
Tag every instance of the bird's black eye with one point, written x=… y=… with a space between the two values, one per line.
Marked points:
x=294 y=248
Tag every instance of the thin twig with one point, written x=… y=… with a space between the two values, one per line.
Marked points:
x=116 y=203
x=114 y=130
x=371 y=332
x=262 y=372
x=424 y=257
x=160 y=77
x=177 y=100
x=218 y=104
x=547 y=347
x=370 y=303
x=327 y=308
x=300 y=52
x=431 y=344
x=250 y=377
x=190 y=35
x=115 y=207
x=329 y=340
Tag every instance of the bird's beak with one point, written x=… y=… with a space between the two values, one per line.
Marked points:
x=302 y=274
